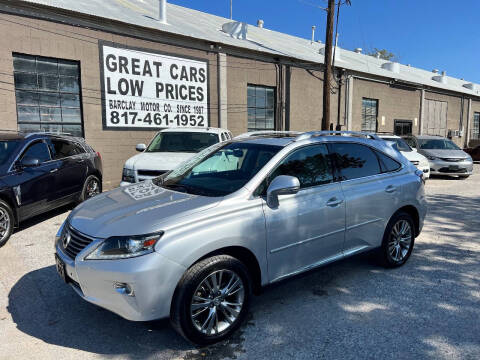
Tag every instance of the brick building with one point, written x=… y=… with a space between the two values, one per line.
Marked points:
x=116 y=71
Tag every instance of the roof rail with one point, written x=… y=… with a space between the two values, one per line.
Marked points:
x=310 y=134
x=268 y=133
x=49 y=133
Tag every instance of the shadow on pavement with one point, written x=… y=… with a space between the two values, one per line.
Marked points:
x=426 y=309
x=24 y=225
x=44 y=307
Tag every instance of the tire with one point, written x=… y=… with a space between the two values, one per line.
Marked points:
x=86 y=190
x=188 y=316
x=7 y=222
x=394 y=252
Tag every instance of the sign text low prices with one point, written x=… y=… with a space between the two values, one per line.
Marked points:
x=147 y=90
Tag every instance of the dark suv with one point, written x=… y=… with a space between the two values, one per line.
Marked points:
x=40 y=172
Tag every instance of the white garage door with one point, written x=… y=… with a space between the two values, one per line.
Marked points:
x=435 y=118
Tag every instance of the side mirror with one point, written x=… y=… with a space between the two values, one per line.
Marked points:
x=30 y=162
x=141 y=147
x=414 y=149
x=281 y=185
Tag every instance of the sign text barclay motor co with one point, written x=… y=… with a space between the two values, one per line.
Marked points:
x=147 y=90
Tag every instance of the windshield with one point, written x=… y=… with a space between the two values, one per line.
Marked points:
x=6 y=149
x=401 y=144
x=220 y=170
x=191 y=142
x=437 y=144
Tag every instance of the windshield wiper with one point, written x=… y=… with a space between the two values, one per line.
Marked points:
x=176 y=187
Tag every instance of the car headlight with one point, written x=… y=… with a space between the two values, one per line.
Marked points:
x=469 y=158
x=128 y=175
x=430 y=157
x=124 y=247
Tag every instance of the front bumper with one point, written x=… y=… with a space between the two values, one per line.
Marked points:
x=442 y=167
x=153 y=279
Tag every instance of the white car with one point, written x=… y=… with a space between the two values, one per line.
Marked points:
x=167 y=150
x=420 y=161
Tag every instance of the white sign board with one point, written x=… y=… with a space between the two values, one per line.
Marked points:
x=147 y=90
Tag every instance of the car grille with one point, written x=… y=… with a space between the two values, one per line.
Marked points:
x=77 y=242
x=151 y=172
x=452 y=159
x=415 y=162
x=452 y=171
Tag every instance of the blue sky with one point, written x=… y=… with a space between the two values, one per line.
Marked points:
x=429 y=34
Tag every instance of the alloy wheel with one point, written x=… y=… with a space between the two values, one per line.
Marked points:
x=93 y=188
x=217 y=302
x=5 y=224
x=400 y=240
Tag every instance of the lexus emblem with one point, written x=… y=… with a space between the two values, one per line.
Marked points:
x=66 y=240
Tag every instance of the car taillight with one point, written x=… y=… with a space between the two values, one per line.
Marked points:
x=99 y=156
x=419 y=173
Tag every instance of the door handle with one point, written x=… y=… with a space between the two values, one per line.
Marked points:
x=334 y=202
x=390 y=189
x=53 y=171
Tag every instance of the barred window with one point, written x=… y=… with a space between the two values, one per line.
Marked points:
x=261 y=108
x=48 y=94
x=369 y=114
x=476 y=126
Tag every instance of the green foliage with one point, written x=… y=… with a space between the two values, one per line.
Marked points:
x=384 y=54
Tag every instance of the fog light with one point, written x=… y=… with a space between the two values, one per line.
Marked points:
x=123 y=288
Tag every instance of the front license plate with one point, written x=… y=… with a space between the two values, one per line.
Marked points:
x=453 y=167
x=60 y=265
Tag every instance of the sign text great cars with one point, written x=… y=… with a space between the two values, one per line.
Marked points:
x=149 y=90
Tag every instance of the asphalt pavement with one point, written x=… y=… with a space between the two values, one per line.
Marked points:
x=353 y=309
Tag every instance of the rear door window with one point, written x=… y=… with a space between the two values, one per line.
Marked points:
x=63 y=149
x=354 y=160
x=388 y=164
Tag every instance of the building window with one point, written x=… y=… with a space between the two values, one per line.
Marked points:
x=402 y=127
x=261 y=108
x=48 y=94
x=476 y=126
x=369 y=114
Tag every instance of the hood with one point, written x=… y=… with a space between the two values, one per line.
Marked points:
x=157 y=160
x=414 y=156
x=453 y=154
x=135 y=210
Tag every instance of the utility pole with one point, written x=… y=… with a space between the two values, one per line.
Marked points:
x=327 y=74
x=231 y=9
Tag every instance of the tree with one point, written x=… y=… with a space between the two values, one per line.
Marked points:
x=384 y=54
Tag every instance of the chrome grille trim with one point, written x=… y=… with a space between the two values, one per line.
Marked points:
x=77 y=243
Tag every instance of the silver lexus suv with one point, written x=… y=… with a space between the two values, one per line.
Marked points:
x=195 y=243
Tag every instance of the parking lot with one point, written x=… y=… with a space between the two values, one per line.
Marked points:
x=429 y=308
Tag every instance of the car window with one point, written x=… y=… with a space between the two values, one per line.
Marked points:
x=437 y=144
x=402 y=145
x=354 y=160
x=388 y=164
x=182 y=142
x=38 y=150
x=223 y=136
x=311 y=165
x=63 y=149
x=411 y=142
x=7 y=148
